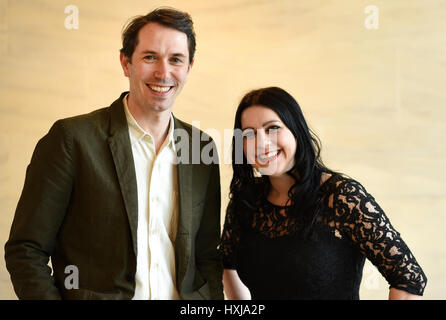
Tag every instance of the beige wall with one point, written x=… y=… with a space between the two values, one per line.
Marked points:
x=375 y=96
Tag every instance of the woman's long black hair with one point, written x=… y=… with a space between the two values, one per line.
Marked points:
x=247 y=191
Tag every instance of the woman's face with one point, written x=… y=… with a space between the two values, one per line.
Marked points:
x=268 y=145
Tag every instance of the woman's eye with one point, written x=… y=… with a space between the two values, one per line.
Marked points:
x=273 y=129
x=248 y=134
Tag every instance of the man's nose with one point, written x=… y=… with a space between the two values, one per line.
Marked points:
x=162 y=70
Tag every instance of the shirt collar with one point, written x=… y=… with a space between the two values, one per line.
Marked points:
x=137 y=133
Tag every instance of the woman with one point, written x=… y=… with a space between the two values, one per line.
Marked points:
x=295 y=229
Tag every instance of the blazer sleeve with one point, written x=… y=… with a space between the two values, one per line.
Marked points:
x=208 y=237
x=39 y=215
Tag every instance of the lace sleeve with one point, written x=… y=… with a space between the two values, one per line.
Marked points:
x=230 y=238
x=361 y=219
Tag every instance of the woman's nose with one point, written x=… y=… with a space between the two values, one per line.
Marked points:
x=263 y=141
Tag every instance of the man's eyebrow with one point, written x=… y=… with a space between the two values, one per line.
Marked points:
x=149 y=51
x=179 y=54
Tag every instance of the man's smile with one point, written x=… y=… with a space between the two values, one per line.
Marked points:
x=159 y=89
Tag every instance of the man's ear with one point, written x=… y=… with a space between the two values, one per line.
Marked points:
x=190 y=65
x=125 y=64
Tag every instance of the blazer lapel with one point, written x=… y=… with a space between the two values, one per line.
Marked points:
x=184 y=168
x=121 y=150
x=119 y=142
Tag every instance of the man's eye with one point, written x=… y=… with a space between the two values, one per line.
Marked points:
x=176 y=60
x=149 y=58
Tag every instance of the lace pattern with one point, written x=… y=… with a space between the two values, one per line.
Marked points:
x=349 y=213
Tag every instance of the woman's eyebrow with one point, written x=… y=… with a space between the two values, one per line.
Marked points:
x=268 y=122
x=264 y=125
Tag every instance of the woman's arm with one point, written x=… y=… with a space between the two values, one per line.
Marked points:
x=396 y=294
x=362 y=220
x=234 y=287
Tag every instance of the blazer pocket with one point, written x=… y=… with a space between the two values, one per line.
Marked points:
x=198 y=204
x=202 y=286
x=85 y=294
x=202 y=293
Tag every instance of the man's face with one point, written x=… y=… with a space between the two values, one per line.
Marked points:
x=158 y=69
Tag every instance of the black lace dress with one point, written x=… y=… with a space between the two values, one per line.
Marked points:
x=275 y=262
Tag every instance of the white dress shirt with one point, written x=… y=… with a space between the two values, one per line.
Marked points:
x=156 y=178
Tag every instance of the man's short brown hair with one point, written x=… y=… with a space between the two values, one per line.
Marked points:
x=165 y=16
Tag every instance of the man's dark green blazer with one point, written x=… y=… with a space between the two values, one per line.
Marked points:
x=79 y=207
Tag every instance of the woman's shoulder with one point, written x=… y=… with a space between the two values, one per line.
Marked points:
x=339 y=185
x=345 y=198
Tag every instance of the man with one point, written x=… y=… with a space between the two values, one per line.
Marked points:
x=105 y=198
